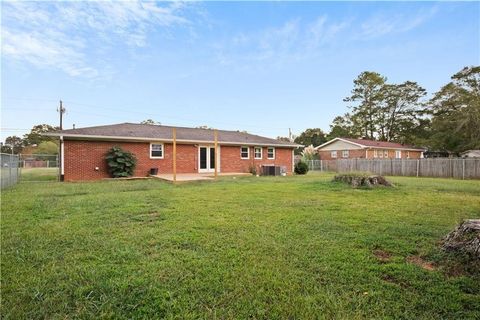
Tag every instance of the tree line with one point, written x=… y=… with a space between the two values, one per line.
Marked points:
x=35 y=138
x=449 y=121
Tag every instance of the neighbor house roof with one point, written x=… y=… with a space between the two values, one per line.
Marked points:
x=471 y=153
x=364 y=143
x=148 y=132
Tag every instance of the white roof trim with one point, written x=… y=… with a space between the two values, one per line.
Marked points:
x=180 y=141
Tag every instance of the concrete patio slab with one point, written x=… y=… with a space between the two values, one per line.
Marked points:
x=184 y=177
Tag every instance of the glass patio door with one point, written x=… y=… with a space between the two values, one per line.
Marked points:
x=206 y=159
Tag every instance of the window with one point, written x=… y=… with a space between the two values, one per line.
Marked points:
x=156 y=150
x=408 y=154
x=271 y=153
x=244 y=152
x=258 y=152
x=380 y=154
x=333 y=154
x=375 y=153
x=345 y=153
x=385 y=153
x=398 y=154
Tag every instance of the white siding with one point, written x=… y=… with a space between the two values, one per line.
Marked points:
x=340 y=145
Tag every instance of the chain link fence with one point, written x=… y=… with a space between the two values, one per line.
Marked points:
x=10 y=169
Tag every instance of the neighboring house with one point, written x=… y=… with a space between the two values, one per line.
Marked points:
x=84 y=150
x=470 y=154
x=348 y=148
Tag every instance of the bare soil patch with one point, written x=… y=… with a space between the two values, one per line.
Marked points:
x=417 y=260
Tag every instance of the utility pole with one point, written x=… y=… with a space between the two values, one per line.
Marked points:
x=61 y=110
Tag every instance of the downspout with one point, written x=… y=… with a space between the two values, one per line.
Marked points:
x=62 y=158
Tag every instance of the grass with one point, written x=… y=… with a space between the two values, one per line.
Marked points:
x=38 y=174
x=266 y=248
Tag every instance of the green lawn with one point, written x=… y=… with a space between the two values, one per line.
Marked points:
x=266 y=248
x=38 y=174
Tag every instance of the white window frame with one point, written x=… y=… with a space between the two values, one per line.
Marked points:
x=248 y=152
x=255 y=149
x=375 y=153
x=345 y=153
x=273 y=152
x=398 y=154
x=408 y=154
x=385 y=153
x=151 y=149
x=333 y=154
x=380 y=154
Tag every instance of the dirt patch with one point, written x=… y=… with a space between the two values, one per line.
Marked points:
x=391 y=279
x=382 y=256
x=416 y=260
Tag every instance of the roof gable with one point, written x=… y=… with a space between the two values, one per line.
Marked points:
x=364 y=143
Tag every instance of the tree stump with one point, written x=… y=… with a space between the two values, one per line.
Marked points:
x=362 y=180
x=464 y=238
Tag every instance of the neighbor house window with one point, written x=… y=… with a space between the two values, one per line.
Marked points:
x=258 y=153
x=156 y=150
x=380 y=154
x=375 y=153
x=244 y=152
x=345 y=153
x=271 y=153
x=333 y=154
x=408 y=154
x=385 y=153
x=398 y=154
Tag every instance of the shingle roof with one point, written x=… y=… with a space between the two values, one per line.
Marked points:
x=375 y=144
x=380 y=144
x=134 y=131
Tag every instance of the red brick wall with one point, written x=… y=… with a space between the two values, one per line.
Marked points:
x=232 y=162
x=81 y=158
x=360 y=154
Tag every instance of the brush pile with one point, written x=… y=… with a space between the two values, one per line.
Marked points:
x=362 y=180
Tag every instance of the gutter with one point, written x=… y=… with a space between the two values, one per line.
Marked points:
x=182 y=141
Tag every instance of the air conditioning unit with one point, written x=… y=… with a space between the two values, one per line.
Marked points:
x=271 y=170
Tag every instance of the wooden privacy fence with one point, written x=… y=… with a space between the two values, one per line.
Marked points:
x=458 y=168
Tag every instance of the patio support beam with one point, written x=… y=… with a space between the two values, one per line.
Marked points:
x=216 y=152
x=174 y=136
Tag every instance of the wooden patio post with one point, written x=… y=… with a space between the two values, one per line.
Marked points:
x=174 y=134
x=216 y=153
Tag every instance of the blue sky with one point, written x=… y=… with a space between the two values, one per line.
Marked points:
x=263 y=67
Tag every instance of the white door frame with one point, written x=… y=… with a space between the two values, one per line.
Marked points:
x=217 y=161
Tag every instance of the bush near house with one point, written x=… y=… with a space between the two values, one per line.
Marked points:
x=120 y=163
x=301 y=168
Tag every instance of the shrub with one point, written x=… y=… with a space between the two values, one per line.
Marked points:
x=301 y=168
x=120 y=163
x=252 y=169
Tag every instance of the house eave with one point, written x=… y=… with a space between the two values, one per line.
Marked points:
x=368 y=147
x=151 y=139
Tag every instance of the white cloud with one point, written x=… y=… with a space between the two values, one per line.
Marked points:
x=383 y=24
x=58 y=34
x=291 y=41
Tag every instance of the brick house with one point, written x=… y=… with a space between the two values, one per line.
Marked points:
x=348 y=148
x=84 y=150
